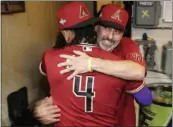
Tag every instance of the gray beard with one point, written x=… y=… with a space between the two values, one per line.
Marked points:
x=108 y=49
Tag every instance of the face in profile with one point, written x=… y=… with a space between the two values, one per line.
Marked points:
x=69 y=35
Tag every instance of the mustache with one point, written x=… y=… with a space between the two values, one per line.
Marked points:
x=107 y=39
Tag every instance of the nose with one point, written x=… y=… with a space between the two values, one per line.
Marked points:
x=110 y=36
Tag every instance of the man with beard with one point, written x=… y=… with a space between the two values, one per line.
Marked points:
x=108 y=39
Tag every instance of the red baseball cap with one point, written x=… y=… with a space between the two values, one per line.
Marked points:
x=114 y=16
x=74 y=15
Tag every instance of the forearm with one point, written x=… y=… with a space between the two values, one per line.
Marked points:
x=125 y=69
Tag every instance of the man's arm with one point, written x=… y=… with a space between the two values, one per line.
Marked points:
x=125 y=69
x=140 y=92
x=46 y=112
x=132 y=67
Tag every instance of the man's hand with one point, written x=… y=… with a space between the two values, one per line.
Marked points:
x=77 y=64
x=46 y=112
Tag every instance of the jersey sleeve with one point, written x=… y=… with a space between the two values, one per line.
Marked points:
x=42 y=66
x=134 y=86
x=133 y=53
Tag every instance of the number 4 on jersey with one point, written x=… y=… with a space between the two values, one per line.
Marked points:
x=89 y=93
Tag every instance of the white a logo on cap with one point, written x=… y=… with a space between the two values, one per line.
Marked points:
x=116 y=15
x=62 y=21
x=82 y=12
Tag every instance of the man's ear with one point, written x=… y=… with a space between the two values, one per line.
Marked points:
x=65 y=34
x=68 y=35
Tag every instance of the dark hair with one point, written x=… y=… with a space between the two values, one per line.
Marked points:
x=86 y=32
x=60 y=41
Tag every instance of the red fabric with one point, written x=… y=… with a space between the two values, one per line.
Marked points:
x=112 y=103
x=115 y=14
x=126 y=114
x=72 y=14
x=129 y=50
x=106 y=90
x=134 y=86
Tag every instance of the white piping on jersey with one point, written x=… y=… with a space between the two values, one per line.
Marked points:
x=137 y=89
x=41 y=71
x=86 y=44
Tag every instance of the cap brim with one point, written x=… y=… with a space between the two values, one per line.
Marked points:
x=88 y=22
x=111 y=25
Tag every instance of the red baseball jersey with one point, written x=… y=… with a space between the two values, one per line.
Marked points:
x=90 y=99
x=128 y=50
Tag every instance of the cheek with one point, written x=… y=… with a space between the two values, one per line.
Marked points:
x=117 y=37
x=102 y=33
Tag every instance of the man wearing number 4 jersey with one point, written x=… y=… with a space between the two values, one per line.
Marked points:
x=109 y=31
x=87 y=100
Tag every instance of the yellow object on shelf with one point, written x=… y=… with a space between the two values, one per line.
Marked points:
x=149 y=39
x=120 y=3
x=101 y=3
